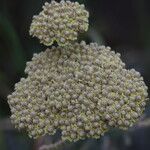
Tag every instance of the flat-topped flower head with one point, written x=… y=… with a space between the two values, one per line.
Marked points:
x=81 y=89
x=60 y=22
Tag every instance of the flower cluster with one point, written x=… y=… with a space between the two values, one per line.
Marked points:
x=81 y=89
x=60 y=22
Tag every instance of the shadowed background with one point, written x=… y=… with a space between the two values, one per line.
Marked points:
x=123 y=25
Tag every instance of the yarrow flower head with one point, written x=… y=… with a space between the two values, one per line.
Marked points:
x=81 y=89
x=83 y=93
x=60 y=22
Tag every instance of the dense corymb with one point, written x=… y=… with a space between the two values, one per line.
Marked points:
x=82 y=90
x=60 y=22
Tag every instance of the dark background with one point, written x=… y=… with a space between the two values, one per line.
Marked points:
x=123 y=25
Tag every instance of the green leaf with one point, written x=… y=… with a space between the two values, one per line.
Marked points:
x=12 y=38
